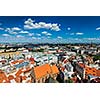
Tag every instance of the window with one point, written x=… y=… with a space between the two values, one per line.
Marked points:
x=94 y=74
x=93 y=71
x=89 y=68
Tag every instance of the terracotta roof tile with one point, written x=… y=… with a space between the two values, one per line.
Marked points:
x=31 y=59
x=17 y=61
x=10 y=77
x=45 y=69
x=54 y=69
x=81 y=65
x=89 y=70
x=92 y=71
x=14 y=62
x=27 y=69
x=32 y=62
x=98 y=73
x=41 y=71
x=3 y=76
x=17 y=79
x=24 y=77
x=19 y=72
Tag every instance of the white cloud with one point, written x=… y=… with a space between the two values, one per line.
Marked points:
x=49 y=34
x=59 y=37
x=79 y=33
x=55 y=27
x=29 y=21
x=1 y=28
x=38 y=34
x=98 y=28
x=30 y=34
x=6 y=35
x=9 y=30
x=34 y=38
x=28 y=27
x=68 y=28
x=16 y=29
x=14 y=32
x=29 y=24
x=92 y=39
x=19 y=36
x=46 y=33
x=23 y=32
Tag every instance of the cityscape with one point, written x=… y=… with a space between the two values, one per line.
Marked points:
x=49 y=49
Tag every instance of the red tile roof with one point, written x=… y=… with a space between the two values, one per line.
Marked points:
x=81 y=65
x=17 y=61
x=3 y=77
x=10 y=77
x=14 y=62
x=54 y=69
x=32 y=62
x=19 y=72
x=27 y=69
x=24 y=77
x=98 y=73
x=41 y=71
x=31 y=59
x=89 y=70
x=17 y=79
x=45 y=69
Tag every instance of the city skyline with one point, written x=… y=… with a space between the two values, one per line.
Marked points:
x=50 y=29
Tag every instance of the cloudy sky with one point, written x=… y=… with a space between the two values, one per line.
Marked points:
x=40 y=29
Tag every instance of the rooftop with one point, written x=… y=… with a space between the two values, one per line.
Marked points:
x=45 y=69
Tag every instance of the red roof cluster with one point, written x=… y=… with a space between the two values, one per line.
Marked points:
x=21 y=74
x=18 y=77
x=42 y=71
x=17 y=61
x=89 y=70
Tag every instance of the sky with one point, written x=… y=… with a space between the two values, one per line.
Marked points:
x=50 y=29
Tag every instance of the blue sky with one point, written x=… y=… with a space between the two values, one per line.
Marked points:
x=43 y=29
